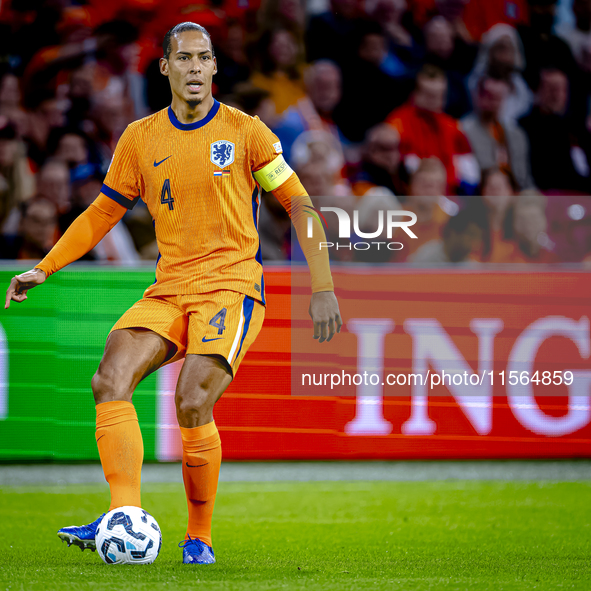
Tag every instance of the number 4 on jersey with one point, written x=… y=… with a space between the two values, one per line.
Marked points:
x=218 y=320
x=166 y=195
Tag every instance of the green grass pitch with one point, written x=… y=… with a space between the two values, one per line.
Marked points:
x=322 y=535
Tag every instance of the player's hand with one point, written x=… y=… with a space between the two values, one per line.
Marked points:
x=325 y=314
x=20 y=284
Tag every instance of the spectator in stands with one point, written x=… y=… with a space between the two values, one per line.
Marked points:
x=92 y=82
x=366 y=73
x=380 y=165
x=116 y=70
x=280 y=68
x=316 y=179
x=254 y=101
x=80 y=93
x=314 y=111
x=317 y=159
x=17 y=182
x=329 y=34
x=84 y=192
x=578 y=35
x=321 y=147
x=10 y=94
x=390 y=13
x=369 y=208
x=462 y=235
x=233 y=64
x=112 y=54
x=117 y=247
x=559 y=150
x=453 y=11
x=46 y=113
x=542 y=48
x=75 y=148
x=11 y=103
x=53 y=184
x=480 y=17
x=497 y=197
x=36 y=231
x=403 y=52
x=501 y=56
x=289 y=14
x=50 y=65
x=455 y=57
x=497 y=144
x=426 y=199
x=530 y=226
x=426 y=131
x=140 y=225
x=109 y=120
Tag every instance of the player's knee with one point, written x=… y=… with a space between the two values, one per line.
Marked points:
x=197 y=403
x=107 y=387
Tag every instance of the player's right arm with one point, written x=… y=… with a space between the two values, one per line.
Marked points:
x=87 y=230
x=119 y=193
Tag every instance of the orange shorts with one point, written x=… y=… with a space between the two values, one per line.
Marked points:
x=221 y=322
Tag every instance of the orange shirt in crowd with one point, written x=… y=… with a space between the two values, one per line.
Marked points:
x=427 y=134
x=479 y=17
x=284 y=91
x=502 y=250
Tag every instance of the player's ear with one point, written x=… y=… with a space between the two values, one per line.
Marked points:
x=215 y=65
x=164 y=66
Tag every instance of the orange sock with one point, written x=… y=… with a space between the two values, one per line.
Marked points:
x=121 y=449
x=202 y=456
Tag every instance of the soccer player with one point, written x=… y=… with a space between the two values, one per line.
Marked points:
x=199 y=166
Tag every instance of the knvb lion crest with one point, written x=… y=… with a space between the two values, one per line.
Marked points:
x=222 y=153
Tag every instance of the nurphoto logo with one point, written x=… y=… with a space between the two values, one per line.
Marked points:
x=393 y=219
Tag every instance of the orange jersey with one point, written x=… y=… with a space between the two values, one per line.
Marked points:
x=197 y=181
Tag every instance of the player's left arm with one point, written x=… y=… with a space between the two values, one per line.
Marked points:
x=278 y=178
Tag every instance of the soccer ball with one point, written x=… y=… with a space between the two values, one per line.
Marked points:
x=128 y=535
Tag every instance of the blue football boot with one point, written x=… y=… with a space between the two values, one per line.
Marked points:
x=82 y=535
x=196 y=552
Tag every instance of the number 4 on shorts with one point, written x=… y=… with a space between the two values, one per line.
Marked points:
x=218 y=320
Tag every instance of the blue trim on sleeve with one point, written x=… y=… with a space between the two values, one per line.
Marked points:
x=247 y=307
x=259 y=254
x=190 y=126
x=118 y=198
x=159 y=256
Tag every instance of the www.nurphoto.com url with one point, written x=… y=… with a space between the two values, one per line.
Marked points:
x=433 y=379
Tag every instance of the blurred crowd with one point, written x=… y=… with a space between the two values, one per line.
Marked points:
x=473 y=114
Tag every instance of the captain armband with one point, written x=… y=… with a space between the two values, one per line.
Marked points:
x=274 y=174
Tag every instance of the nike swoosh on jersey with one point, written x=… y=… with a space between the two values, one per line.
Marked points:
x=198 y=466
x=161 y=161
x=204 y=340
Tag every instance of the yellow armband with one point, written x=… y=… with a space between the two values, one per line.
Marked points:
x=274 y=174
